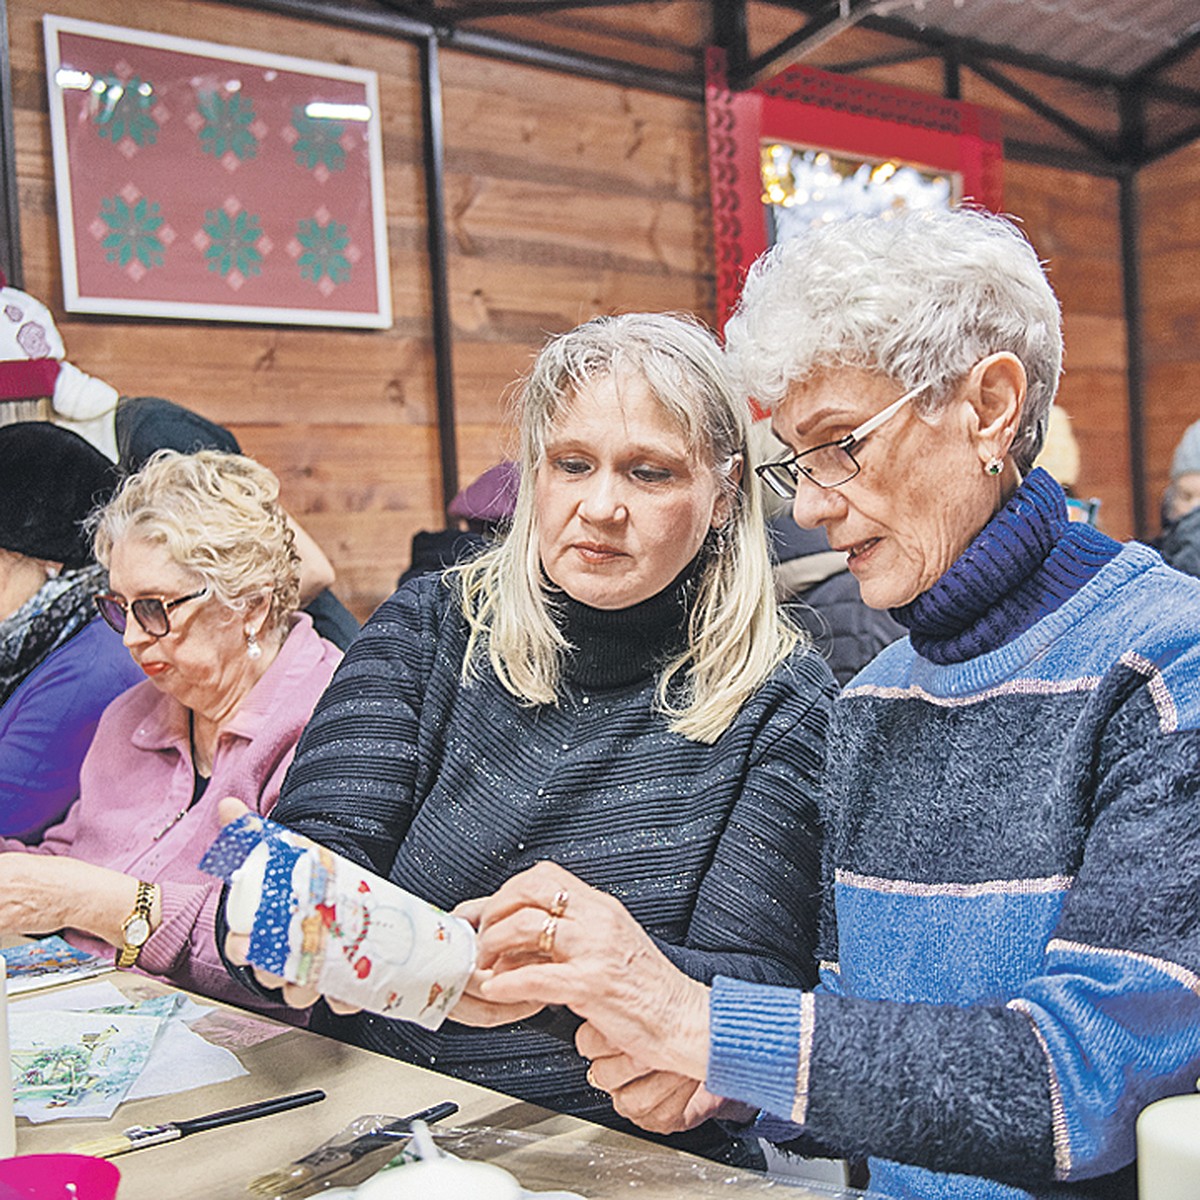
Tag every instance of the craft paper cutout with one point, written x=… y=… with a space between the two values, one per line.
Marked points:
x=179 y=1060
x=76 y=1064
x=317 y=919
x=49 y=960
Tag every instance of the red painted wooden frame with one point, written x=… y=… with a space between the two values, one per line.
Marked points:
x=814 y=108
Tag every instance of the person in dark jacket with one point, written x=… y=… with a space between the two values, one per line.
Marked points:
x=146 y=424
x=1180 y=541
x=481 y=512
x=814 y=584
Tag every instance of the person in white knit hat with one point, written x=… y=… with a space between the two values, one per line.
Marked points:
x=34 y=370
x=1183 y=493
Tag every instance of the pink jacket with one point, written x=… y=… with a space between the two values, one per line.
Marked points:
x=136 y=786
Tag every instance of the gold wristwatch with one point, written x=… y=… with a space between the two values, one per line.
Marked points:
x=136 y=927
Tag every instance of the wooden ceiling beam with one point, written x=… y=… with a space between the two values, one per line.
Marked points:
x=492 y=45
x=471 y=10
x=1167 y=59
x=981 y=50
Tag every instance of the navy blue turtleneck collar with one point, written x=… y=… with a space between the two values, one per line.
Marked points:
x=1024 y=563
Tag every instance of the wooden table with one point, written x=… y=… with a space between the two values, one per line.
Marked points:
x=543 y=1149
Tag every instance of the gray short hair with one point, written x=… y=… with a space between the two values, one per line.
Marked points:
x=920 y=296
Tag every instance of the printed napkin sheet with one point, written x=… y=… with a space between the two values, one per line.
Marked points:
x=316 y=918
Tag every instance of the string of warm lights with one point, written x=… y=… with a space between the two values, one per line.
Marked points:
x=804 y=186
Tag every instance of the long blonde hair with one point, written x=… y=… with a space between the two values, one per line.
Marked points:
x=736 y=636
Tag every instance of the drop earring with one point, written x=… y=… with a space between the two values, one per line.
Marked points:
x=253 y=649
x=994 y=466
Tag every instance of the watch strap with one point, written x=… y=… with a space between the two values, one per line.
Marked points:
x=143 y=905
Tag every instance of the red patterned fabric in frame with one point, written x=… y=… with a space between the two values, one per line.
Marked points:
x=815 y=108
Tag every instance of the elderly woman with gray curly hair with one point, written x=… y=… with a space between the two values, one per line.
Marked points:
x=1011 y=944
x=204 y=584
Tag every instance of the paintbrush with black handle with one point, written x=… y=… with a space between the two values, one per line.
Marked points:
x=138 y=1136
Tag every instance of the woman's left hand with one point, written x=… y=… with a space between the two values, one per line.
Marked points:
x=548 y=937
x=658 y=1101
x=42 y=893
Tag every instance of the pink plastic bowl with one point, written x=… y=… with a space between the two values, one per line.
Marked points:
x=57 y=1177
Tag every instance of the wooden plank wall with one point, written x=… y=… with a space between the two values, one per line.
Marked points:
x=347 y=419
x=1169 y=198
x=566 y=197
x=1073 y=221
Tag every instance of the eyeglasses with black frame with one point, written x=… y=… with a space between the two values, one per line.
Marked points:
x=830 y=464
x=152 y=613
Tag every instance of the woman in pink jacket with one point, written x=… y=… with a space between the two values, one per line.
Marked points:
x=203 y=582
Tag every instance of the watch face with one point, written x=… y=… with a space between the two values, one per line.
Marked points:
x=137 y=930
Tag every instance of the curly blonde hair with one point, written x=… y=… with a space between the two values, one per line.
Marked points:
x=218 y=515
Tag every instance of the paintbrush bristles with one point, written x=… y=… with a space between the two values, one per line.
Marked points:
x=281 y=1183
x=108 y=1147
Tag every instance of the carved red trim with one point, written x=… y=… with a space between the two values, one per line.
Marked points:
x=817 y=108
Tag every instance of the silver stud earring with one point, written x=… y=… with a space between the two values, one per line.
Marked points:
x=995 y=466
x=253 y=649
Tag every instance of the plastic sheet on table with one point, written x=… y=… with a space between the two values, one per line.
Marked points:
x=603 y=1171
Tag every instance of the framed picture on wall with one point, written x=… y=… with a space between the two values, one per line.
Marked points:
x=199 y=181
x=811 y=146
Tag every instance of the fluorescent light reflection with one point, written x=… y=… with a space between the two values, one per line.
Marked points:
x=72 y=80
x=323 y=110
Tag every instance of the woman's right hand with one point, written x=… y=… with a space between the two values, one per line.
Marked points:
x=237 y=945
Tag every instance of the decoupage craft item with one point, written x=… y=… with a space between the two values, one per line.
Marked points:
x=317 y=919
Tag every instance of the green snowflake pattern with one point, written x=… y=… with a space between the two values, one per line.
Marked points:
x=132 y=232
x=232 y=242
x=323 y=251
x=225 y=125
x=319 y=141
x=124 y=110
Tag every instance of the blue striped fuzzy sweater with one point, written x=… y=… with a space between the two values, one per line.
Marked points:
x=449 y=790
x=1012 y=942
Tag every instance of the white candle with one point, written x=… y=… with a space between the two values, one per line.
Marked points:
x=8 y=1129
x=1168 y=1145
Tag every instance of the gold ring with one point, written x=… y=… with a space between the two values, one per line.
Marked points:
x=546 y=937
x=559 y=904
x=591 y=1080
